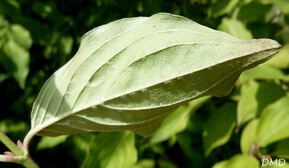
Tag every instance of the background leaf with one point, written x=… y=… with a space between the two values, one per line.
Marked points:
x=219 y=127
x=235 y=28
x=273 y=125
x=239 y=161
x=176 y=121
x=111 y=150
x=50 y=142
x=248 y=137
x=248 y=103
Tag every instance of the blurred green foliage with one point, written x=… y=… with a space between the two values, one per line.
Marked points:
x=38 y=37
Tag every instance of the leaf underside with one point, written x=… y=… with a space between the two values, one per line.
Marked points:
x=130 y=73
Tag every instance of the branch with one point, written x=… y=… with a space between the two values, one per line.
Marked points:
x=10 y=144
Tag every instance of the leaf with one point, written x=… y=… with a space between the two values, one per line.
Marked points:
x=283 y=5
x=176 y=121
x=110 y=150
x=223 y=7
x=235 y=28
x=3 y=77
x=166 y=164
x=253 y=12
x=255 y=97
x=16 y=61
x=11 y=126
x=21 y=36
x=274 y=125
x=145 y=163
x=129 y=74
x=239 y=161
x=248 y=137
x=281 y=60
x=282 y=149
x=50 y=142
x=248 y=103
x=263 y=72
x=219 y=127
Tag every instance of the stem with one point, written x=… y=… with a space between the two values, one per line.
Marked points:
x=10 y=144
x=20 y=158
x=29 y=163
x=11 y=159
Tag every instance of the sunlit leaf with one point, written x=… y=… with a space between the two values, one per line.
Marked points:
x=145 y=163
x=274 y=125
x=50 y=142
x=110 y=150
x=263 y=72
x=255 y=97
x=129 y=74
x=281 y=60
x=248 y=103
x=248 y=137
x=15 y=60
x=176 y=121
x=239 y=161
x=235 y=28
x=219 y=127
x=21 y=36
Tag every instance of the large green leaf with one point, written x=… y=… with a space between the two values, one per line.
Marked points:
x=110 y=150
x=129 y=74
x=219 y=127
x=274 y=125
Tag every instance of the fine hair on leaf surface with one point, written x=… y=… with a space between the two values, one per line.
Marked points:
x=130 y=73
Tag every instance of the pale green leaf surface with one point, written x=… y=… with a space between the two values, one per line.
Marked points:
x=248 y=103
x=235 y=28
x=239 y=161
x=248 y=137
x=50 y=142
x=273 y=125
x=111 y=150
x=130 y=73
x=219 y=127
x=176 y=121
